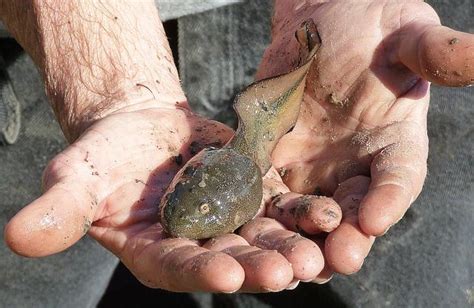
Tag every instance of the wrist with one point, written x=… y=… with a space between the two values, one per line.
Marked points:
x=77 y=108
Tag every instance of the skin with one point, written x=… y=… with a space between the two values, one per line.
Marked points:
x=102 y=116
x=365 y=106
x=348 y=246
x=263 y=276
x=311 y=214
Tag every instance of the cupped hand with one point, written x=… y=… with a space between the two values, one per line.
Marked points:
x=361 y=136
x=109 y=183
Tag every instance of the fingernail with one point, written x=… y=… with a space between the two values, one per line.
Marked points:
x=231 y=292
x=317 y=281
x=271 y=290
x=293 y=285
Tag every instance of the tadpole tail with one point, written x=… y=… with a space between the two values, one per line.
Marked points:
x=269 y=108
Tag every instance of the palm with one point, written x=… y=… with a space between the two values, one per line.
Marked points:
x=111 y=181
x=364 y=110
x=129 y=166
x=359 y=101
x=117 y=172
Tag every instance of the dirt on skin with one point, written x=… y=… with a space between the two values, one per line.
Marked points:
x=316 y=214
x=444 y=72
x=307 y=213
x=340 y=103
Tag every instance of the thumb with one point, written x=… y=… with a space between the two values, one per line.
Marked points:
x=437 y=53
x=53 y=222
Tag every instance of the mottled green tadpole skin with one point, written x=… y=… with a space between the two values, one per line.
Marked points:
x=219 y=190
x=267 y=110
x=216 y=192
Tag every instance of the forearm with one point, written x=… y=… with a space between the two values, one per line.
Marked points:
x=96 y=57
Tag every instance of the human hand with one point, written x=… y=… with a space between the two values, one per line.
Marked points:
x=364 y=111
x=111 y=180
x=111 y=81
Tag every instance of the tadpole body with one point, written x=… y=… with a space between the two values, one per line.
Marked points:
x=219 y=190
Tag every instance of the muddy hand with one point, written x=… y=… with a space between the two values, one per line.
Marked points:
x=365 y=109
x=130 y=130
x=97 y=187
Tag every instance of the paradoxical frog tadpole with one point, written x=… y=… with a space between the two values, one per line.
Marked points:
x=215 y=193
x=218 y=190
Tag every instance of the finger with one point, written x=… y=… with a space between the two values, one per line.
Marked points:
x=437 y=53
x=303 y=254
x=53 y=222
x=347 y=247
x=312 y=214
x=265 y=270
x=225 y=241
x=327 y=273
x=180 y=265
x=273 y=186
x=325 y=276
x=397 y=176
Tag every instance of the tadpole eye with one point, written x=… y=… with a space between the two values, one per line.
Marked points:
x=204 y=208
